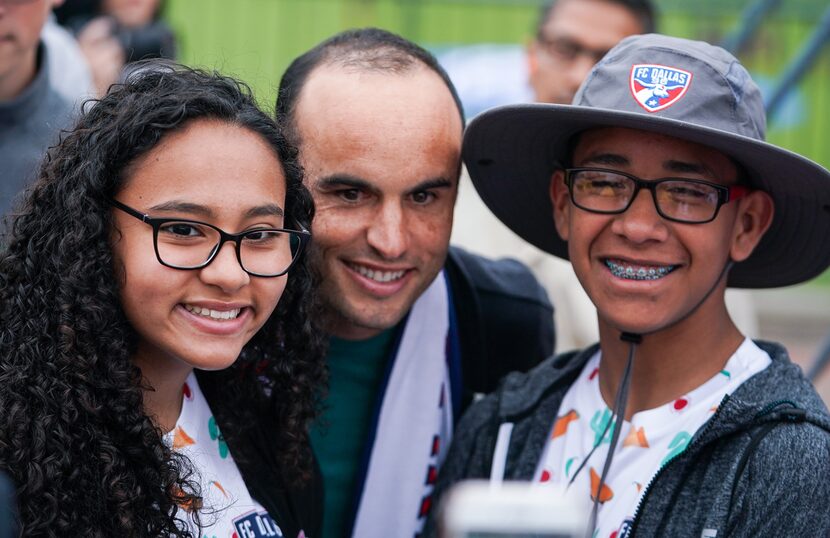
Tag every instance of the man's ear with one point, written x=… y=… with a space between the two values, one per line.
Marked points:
x=560 y=199
x=532 y=58
x=755 y=212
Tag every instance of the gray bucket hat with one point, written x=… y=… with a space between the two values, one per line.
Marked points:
x=686 y=89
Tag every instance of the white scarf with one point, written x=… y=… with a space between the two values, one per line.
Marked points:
x=414 y=425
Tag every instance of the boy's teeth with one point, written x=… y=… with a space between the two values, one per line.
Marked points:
x=377 y=276
x=214 y=314
x=638 y=272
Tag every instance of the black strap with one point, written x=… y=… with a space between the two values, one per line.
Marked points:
x=786 y=416
x=748 y=451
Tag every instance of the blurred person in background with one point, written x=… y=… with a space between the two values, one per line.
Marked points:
x=114 y=33
x=69 y=71
x=571 y=36
x=32 y=110
x=416 y=328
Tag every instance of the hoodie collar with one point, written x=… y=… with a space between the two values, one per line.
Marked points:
x=783 y=382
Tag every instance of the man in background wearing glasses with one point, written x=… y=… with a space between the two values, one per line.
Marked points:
x=573 y=35
x=658 y=186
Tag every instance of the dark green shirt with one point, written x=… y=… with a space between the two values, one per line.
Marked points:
x=356 y=369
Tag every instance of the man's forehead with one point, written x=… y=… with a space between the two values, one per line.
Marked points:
x=391 y=131
x=344 y=89
x=360 y=103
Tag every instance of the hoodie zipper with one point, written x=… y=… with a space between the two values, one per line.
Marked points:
x=769 y=408
x=654 y=478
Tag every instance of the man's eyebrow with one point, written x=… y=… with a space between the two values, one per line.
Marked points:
x=437 y=183
x=352 y=182
x=607 y=159
x=343 y=181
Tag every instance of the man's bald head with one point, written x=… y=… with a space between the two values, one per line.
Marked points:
x=366 y=49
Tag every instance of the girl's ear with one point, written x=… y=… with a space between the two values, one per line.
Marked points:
x=755 y=212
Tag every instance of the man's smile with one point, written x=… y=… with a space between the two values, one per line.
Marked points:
x=378 y=275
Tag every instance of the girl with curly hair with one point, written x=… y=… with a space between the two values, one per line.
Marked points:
x=158 y=365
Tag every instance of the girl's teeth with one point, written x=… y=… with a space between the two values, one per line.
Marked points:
x=377 y=276
x=213 y=314
x=638 y=272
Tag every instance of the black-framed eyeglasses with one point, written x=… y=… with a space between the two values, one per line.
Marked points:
x=567 y=50
x=191 y=244
x=691 y=201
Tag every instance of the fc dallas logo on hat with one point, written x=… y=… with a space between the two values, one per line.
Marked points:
x=656 y=87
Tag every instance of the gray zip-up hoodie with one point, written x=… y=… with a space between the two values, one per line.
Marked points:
x=760 y=466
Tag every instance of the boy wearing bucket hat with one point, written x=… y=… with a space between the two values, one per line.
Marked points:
x=659 y=188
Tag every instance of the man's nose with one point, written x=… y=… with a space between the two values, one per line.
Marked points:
x=387 y=234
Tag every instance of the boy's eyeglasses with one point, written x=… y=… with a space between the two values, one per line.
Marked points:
x=692 y=201
x=190 y=244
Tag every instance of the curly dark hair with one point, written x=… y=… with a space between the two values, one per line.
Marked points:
x=74 y=435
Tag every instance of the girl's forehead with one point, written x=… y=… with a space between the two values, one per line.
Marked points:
x=210 y=163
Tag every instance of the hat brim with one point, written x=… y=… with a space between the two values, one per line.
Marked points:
x=512 y=151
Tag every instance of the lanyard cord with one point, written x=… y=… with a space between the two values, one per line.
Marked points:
x=626 y=375
x=618 y=417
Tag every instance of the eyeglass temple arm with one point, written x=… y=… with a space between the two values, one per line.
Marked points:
x=130 y=211
x=737 y=191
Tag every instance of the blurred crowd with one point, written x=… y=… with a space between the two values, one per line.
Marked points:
x=55 y=55
x=111 y=34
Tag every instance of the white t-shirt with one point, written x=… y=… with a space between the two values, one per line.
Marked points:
x=646 y=443
x=227 y=511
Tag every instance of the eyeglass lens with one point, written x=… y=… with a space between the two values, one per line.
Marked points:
x=567 y=50
x=608 y=192
x=189 y=245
